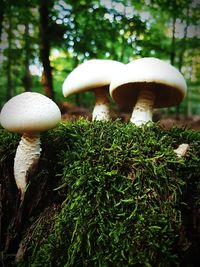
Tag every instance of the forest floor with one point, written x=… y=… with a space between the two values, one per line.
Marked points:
x=71 y=112
x=192 y=122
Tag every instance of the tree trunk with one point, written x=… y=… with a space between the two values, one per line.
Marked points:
x=10 y=91
x=183 y=42
x=27 y=77
x=181 y=55
x=47 y=79
x=173 y=53
x=2 y=6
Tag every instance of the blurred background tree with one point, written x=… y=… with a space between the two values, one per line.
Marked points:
x=43 y=41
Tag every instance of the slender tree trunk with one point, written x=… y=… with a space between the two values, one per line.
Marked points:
x=173 y=47
x=10 y=92
x=27 y=76
x=2 y=7
x=47 y=79
x=182 y=51
x=183 y=42
x=173 y=41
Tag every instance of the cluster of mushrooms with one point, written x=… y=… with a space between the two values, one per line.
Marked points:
x=141 y=85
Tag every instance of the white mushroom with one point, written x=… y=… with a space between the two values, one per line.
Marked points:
x=94 y=74
x=182 y=150
x=28 y=113
x=147 y=83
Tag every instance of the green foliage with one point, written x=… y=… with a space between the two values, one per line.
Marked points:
x=122 y=189
x=119 y=29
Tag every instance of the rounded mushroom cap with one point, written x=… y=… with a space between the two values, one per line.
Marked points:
x=92 y=74
x=148 y=73
x=30 y=113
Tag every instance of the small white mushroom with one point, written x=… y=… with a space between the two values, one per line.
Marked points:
x=182 y=150
x=145 y=84
x=29 y=114
x=96 y=75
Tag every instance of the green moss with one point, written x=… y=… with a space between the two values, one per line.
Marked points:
x=123 y=194
x=8 y=142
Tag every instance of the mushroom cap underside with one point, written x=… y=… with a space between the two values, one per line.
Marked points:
x=149 y=73
x=126 y=95
x=30 y=112
x=90 y=75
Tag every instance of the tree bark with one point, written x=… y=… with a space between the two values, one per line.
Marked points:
x=173 y=53
x=10 y=90
x=47 y=79
x=183 y=43
x=2 y=7
x=27 y=76
x=181 y=55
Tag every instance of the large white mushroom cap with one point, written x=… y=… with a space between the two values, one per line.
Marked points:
x=165 y=80
x=30 y=112
x=92 y=74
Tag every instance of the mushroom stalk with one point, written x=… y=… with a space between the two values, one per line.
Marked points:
x=26 y=158
x=142 y=112
x=101 y=111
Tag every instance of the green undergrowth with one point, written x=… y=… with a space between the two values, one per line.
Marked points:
x=124 y=196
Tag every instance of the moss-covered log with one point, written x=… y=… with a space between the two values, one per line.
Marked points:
x=105 y=194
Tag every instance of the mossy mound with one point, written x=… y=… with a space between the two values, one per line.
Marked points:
x=118 y=196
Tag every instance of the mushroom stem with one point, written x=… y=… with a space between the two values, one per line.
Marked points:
x=101 y=111
x=26 y=158
x=142 y=112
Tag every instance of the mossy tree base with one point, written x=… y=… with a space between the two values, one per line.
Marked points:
x=105 y=194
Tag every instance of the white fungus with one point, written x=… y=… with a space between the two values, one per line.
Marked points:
x=28 y=113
